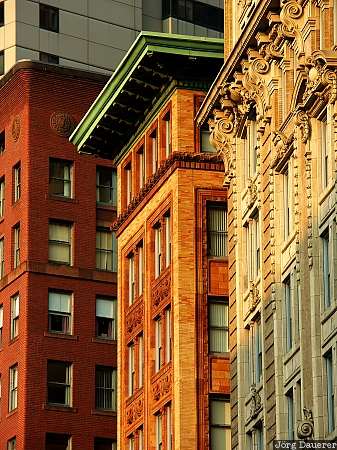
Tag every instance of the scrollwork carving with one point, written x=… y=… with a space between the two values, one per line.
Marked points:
x=321 y=68
x=254 y=296
x=305 y=429
x=161 y=292
x=162 y=386
x=134 y=411
x=303 y=122
x=134 y=319
x=282 y=145
x=252 y=193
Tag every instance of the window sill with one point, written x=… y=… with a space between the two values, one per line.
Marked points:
x=70 y=337
x=103 y=340
x=11 y=413
x=62 y=199
x=106 y=206
x=103 y=412
x=290 y=353
x=12 y=341
x=59 y=264
x=63 y=408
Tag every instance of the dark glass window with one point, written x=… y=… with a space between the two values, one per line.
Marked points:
x=58 y=377
x=104 y=444
x=48 y=58
x=196 y=12
x=2 y=63
x=49 y=18
x=56 y=441
x=2 y=141
x=2 y=14
x=60 y=177
x=105 y=388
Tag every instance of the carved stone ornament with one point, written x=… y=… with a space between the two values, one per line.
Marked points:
x=255 y=404
x=134 y=319
x=161 y=292
x=134 y=411
x=62 y=123
x=16 y=128
x=283 y=147
x=162 y=386
x=252 y=193
x=322 y=73
x=303 y=122
x=291 y=11
x=305 y=429
x=254 y=296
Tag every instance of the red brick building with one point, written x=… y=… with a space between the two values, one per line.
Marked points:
x=173 y=355
x=57 y=267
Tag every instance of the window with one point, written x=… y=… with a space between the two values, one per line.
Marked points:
x=105 y=388
x=13 y=387
x=159 y=432
x=106 y=315
x=2 y=14
x=106 y=257
x=167 y=134
x=49 y=18
x=15 y=309
x=128 y=179
x=250 y=145
x=56 y=441
x=2 y=257
x=59 y=383
x=218 y=326
x=291 y=415
x=16 y=248
x=104 y=444
x=154 y=151
x=158 y=249
x=2 y=139
x=141 y=439
x=17 y=182
x=132 y=282
x=167 y=219
x=330 y=390
x=48 y=58
x=220 y=424
x=196 y=12
x=217 y=230
x=60 y=242
x=1 y=323
x=168 y=335
x=2 y=197
x=169 y=437
x=106 y=186
x=59 y=312
x=288 y=297
x=252 y=238
x=259 y=438
x=158 y=345
x=205 y=145
x=2 y=63
x=140 y=268
x=60 y=174
x=132 y=370
x=287 y=201
x=11 y=445
x=326 y=269
x=140 y=360
x=131 y=443
x=325 y=148
x=142 y=166
x=255 y=352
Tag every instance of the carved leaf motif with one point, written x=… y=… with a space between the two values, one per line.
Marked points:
x=162 y=291
x=134 y=318
x=162 y=386
x=134 y=411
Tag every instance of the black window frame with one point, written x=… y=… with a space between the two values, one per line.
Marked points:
x=47 y=16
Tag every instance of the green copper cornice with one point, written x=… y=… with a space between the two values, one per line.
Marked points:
x=158 y=56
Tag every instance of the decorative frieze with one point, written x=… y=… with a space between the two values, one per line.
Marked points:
x=162 y=386
x=135 y=410
x=161 y=292
x=134 y=319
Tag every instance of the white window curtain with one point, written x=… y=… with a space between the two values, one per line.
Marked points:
x=59 y=302
x=217 y=231
x=218 y=324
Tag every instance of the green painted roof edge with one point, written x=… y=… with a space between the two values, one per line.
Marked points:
x=145 y=42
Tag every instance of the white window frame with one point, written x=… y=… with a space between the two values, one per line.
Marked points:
x=253 y=247
x=67 y=384
x=2 y=257
x=140 y=268
x=1 y=323
x=15 y=314
x=159 y=432
x=132 y=279
x=67 y=167
x=112 y=302
x=128 y=175
x=327 y=243
x=13 y=387
x=154 y=150
x=2 y=197
x=158 y=250
x=288 y=288
x=288 y=200
x=168 y=245
x=168 y=334
x=111 y=188
x=140 y=360
x=16 y=247
x=168 y=145
x=132 y=368
x=325 y=156
x=158 y=344
x=17 y=182
x=61 y=243
x=66 y=315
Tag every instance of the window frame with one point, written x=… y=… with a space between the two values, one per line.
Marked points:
x=15 y=316
x=113 y=319
x=212 y=300
x=106 y=390
x=2 y=197
x=223 y=426
x=111 y=188
x=16 y=245
x=68 y=244
x=158 y=344
x=220 y=235
x=57 y=164
x=108 y=255
x=13 y=387
x=47 y=14
x=17 y=182
x=67 y=327
x=330 y=390
x=66 y=385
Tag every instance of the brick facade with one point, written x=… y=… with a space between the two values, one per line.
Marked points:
x=33 y=102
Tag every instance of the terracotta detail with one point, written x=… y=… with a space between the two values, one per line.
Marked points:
x=62 y=123
x=16 y=128
x=134 y=319
x=162 y=386
x=135 y=410
x=161 y=292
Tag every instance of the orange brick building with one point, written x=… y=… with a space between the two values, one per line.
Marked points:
x=57 y=286
x=173 y=360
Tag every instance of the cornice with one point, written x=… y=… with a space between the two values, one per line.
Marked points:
x=178 y=160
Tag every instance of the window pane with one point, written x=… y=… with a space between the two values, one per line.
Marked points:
x=59 y=302
x=217 y=231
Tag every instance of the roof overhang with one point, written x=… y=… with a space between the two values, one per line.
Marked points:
x=154 y=62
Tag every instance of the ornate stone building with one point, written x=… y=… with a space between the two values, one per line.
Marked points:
x=272 y=113
x=173 y=358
